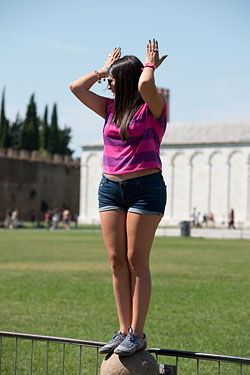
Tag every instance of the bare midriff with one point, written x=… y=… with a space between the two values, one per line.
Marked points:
x=126 y=176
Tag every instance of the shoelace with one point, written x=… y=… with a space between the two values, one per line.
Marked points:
x=131 y=333
x=117 y=333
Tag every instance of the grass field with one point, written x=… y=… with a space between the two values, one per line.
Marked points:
x=59 y=284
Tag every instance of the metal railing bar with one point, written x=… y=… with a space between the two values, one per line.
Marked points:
x=176 y=365
x=47 y=359
x=197 y=367
x=80 y=361
x=196 y=355
x=96 y=366
x=16 y=356
x=218 y=367
x=240 y=369
x=63 y=359
x=31 y=357
x=61 y=340
x=0 y=355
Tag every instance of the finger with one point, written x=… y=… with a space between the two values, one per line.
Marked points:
x=163 y=58
x=149 y=46
x=153 y=44
x=117 y=51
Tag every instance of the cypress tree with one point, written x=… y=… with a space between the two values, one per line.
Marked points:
x=30 y=130
x=65 y=137
x=44 y=131
x=14 y=133
x=4 y=125
x=53 y=142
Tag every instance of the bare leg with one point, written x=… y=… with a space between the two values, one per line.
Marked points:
x=114 y=233
x=140 y=235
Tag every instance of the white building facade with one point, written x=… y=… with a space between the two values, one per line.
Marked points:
x=205 y=165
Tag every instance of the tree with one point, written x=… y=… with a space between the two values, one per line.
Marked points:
x=44 y=138
x=29 y=136
x=4 y=125
x=54 y=141
x=14 y=133
x=65 y=137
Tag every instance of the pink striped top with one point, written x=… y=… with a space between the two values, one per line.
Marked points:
x=141 y=150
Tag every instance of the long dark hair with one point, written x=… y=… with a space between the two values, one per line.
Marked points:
x=126 y=72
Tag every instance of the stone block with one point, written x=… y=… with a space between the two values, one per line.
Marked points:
x=12 y=153
x=139 y=363
x=67 y=159
x=24 y=155
x=35 y=155
x=48 y=158
x=2 y=152
x=57 y=159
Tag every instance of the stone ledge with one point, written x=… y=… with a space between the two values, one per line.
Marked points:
x=35 y=156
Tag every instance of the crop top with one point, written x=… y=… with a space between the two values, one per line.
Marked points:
x=141 y=150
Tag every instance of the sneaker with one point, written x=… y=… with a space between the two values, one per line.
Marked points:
x=131 y=344
x=113 y=343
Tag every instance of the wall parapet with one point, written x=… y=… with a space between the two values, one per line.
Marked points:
x=35 y=156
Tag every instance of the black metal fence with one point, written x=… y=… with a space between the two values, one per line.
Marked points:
x=239 y=361
x=163 y=369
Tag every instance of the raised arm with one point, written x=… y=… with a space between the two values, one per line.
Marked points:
x=146 y=85
x=81 y=87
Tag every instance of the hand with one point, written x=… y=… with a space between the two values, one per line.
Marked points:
x=152 y=54
x=113 y=56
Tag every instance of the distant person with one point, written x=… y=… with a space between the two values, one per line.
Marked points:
x=33 y=218
x=132 y=192
x=197 y=220
x=231 y=220
x=48 y=219
x=204 y=219
x=193 y=216
x=7 y=220
x=14 y=219
x=75 y=218
x=55 y=220
x=66 y=219
x=210 y=218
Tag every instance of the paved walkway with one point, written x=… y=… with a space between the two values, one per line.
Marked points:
x=207 y=233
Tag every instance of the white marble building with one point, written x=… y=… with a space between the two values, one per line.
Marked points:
x=205 y=165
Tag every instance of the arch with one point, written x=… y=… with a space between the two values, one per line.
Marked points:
x=232 y=154
x=179 y=186
x=248 y=190
x=212 y=155
x=237 y=181
x=89 y=157
x=218 y=193
x=175 y=156
x=194 y=156
x=92 y=176
x=199 y=182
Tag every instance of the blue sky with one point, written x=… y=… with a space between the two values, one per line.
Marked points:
x=45 y=45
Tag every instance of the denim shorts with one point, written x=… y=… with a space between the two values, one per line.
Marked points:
x=142 y=195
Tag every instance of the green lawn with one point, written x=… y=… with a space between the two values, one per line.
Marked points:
x=59 y=284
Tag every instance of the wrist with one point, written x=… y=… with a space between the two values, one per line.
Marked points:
x=104 y=71
x=101 y=74
x=149 y=65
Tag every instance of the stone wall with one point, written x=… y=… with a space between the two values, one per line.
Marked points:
x=26 y=180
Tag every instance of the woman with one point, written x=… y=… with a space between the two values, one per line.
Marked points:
x=132 y=192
